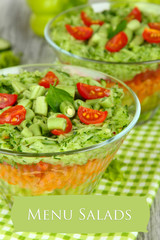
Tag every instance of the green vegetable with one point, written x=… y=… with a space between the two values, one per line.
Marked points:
x=35 y=129
x=133 y=25
x=25 y=103
x=37 y=91
x=41 y=106
x=93 y=101
x=70 y=89
x=103 y=83
x=106 y=102
x=56 y=96
x=33 y=134
x=26 y=132
x=79 y=102
x=119 y=28
x=137 y=40
x=95 y=47
x=129 y=34
x=96 y=106
x=56 y=123
x=67 y=109
x=18 y=87
x=8 y=59
x=29 y=114
x=4 y=44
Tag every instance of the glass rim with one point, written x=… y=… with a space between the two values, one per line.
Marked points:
x=95 y=146
x=54 y=45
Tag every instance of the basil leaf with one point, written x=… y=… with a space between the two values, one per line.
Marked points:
x=119 y=28
x=56 y=96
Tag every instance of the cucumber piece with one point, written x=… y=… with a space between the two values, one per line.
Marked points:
x=25 y=103
x=29 y=114
x=56 y=123
x=138 y=40
x=134 y=25
x=44 y=128
x=106 y=102
x=70 y=89
x=4 y=44
x=140 y=30
x=129 y=34
x=18 y=87
x=35 y=129
x=26 y=132
x=37 y=91
x=41 y=106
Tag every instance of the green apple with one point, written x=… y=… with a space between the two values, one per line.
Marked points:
x=38 y=23
x=45 y=6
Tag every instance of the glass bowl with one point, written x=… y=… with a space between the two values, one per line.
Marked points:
x=63 y=176
x=142 y=77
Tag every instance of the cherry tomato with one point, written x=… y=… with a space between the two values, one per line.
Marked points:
x=49 y=78
x=91 y=116
x=134 y=14
x=68 y=127
x=7 y=100
x=88 y=21
x=14 y=115
x=92 y=92
x=116 y=43
x=80 y=32
x=154 y=25
x=151 y=35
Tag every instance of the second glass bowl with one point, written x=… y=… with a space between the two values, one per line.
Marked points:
x=144 y=77
x=59 y=172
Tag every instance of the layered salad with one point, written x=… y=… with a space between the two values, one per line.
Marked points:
x=127 y=36
x=53 y=112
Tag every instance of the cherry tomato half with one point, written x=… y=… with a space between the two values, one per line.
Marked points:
x=68 y=127
x=134 y=14
x=154 y=25
x=116 y=43
x=80 y=32
x=88 y=21
x=7 y=100
x=14 y=115
x=92 y=92
x=91 y=116
x=151 y=35
x=49 y=78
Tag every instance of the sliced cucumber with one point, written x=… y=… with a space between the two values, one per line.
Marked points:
x=4 y=44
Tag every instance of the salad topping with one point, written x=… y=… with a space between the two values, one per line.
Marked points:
x=88 y=21
x=7 y=100
x=134 y=14
x=80 y=32
x=73 y=113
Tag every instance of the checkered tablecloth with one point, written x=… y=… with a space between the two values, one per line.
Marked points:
x=140 y=155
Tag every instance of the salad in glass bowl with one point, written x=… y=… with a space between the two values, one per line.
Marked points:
x=120 y=39
x=60 y=127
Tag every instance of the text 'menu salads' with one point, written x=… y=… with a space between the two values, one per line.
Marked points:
x=54 y=111
x=127 y=36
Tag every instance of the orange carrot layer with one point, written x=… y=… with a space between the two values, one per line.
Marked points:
x=145 y=84
x=43 y=177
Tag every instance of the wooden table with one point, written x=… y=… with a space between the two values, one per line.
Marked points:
x=14 y=26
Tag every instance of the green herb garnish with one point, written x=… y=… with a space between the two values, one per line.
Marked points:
x=56 y=96
x=119 y=28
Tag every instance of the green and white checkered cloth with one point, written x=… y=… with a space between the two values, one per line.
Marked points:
x=141 y=157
